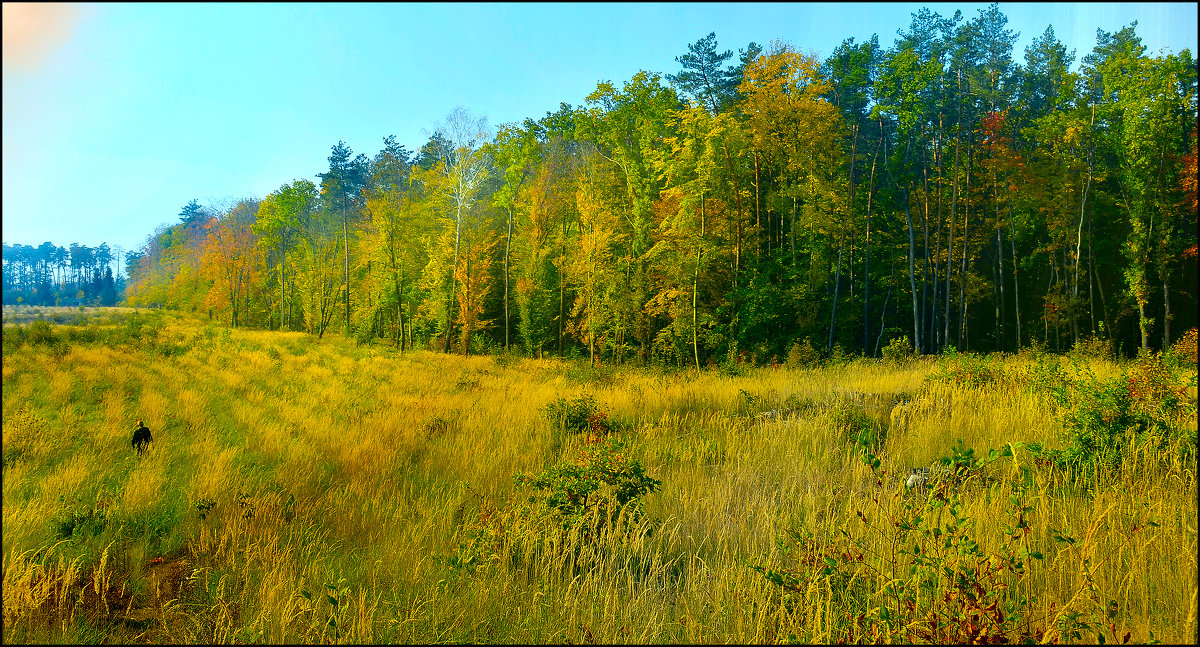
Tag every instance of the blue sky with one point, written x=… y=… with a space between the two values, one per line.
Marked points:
x=116 y=115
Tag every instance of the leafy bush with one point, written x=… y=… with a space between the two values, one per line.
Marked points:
x=579 y=415
x=839 y=356
x=1043 y=374
x=802 y=355
x=563 y=507
x=39 y=332
x=1145 y=406
x=967 y=369
x=78 y=524
x=1182 y=353
x=898 y=351
x=854 y=423
x=582 y=371
x=139 y=327
x=1092 y=347
x=506 y=359
x=36 y=333
x=936 y=583
x=599 y=483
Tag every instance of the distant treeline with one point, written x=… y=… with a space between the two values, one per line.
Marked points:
x=49 y=275
x=748 y=206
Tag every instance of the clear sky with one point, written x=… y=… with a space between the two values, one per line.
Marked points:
x=116 y=115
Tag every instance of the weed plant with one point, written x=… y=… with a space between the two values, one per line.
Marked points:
x=321 y=491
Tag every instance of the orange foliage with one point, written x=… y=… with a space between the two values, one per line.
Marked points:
x=230 y=258
x=1189 y=189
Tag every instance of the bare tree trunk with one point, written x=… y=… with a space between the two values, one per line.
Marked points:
x=1166 y=312
x=507 y=248
x=867 y=250
x=1103 y=303
x=562 y=255
x=883 y=312
x=737 y=256
x=1016 y=287
x=1046 y=320
x=1079 y=253
x=962 y=284
x=837 y=283
x=346 y=242
x=935 y=343
x=1001 y=309
x=950 y=240
x=696 y=286
x=282 y=284
x=925 y=306
x=452 y=292
x=1143 y=325
x=1091 y=282
x=400 y=310
x=757 y=209
x=912 y=281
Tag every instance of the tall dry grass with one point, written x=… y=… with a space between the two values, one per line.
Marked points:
x=318 y=491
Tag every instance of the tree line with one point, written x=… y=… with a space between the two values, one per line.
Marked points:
x=51 y=275
x=935 y=190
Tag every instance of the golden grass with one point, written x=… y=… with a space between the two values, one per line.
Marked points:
x=323 y=468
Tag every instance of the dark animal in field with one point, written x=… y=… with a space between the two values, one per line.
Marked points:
x=141 y=438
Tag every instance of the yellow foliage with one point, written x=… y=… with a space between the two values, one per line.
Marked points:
x=354 y=471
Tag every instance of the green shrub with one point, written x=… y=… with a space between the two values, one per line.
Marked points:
x=898 y=351
x=1182 y=353
x=839 y=356
x=39 y=332
x=78 y=524
x=1092 y=347
x=599 y=483
x=139 y=328
x=556 y=512
x=967 y=369
x=852 y=421
x=802 y=355
x=506 y=359
x=582 y=371
x=937 y=585
x=578 y=415
x=1144 y=406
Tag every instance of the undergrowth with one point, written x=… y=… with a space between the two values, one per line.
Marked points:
x=314 y=490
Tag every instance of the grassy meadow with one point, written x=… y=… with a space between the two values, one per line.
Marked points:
x=325 y=492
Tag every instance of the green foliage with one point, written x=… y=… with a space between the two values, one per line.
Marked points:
x=1182 y=354
x=967 y=369
x=600 y=483
x=582 y=371
x=898 y=351
x=937 y=584
x=38 y=332
x=1144 y=407
x=561 y=509
x=1092 y=347
x=578 y=416
x=506 y=359
x=204 y=506
x=853 y=422
x=802 y=355
x=78 y=524
x=839 y=356
x=35 y=333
